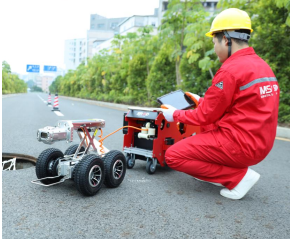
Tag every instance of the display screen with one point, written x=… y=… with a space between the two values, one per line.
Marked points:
x=176 y=99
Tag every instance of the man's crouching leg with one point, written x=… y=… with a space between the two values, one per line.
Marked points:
x=211 y=163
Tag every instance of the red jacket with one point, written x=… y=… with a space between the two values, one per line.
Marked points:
x=242 y=103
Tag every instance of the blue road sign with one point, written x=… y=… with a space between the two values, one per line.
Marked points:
x=32 y=68
x=49 y=68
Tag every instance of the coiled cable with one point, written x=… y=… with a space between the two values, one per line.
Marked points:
x=102 y=139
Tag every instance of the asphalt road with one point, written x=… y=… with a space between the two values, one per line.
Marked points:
x=167 y=204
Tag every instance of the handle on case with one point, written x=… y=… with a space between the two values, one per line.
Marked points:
x=163 y=107
x=190 y=99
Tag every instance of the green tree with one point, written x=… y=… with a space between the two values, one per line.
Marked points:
x=6 y=67
x=173 y=29
x=147 y=45
x=30 y=83
x=199 y=62
x=140 y=52
x=11 y=82
x=162 y=76
x=55 y=85
x=194 y=79
x=36 y=89
x=137 y=80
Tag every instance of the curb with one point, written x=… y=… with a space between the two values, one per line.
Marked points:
x=282 y=132
x=100 y=103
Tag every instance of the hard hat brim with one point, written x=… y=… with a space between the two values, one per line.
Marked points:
x=209 y=34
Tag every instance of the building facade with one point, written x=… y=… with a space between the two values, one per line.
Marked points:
x=95 y=38
x=209 y=5
x=101 y=30
x=75 y=52
x=98 y=22
x=133 y=23
x=130 y=25
x=44 y=81
x=78 y=50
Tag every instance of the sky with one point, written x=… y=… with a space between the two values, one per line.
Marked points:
x=34 y=31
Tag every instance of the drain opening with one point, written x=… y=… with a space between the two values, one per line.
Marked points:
x=12 y=161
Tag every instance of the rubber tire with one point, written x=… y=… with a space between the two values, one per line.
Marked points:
x=73 y=148
x=109 y=160
x=129 y=162
x=82 y=170
x=42 y=165
x=149 y=170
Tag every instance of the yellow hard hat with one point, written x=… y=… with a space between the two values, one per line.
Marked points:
x=230 y=19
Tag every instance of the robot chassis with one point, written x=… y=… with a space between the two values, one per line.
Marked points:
x=88 y=163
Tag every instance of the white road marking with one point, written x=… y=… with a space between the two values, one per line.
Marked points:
x=41 y=99
x=58 y=113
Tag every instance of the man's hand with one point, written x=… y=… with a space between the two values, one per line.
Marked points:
x=168 y=111
x=193 y=97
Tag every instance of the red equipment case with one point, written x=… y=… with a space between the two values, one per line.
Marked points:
x=151 y=145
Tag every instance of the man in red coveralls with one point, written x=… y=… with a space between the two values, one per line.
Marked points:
x=238 y=114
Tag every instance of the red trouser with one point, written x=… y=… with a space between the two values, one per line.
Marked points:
x=210 y=156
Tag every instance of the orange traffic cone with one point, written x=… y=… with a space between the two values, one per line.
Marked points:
x=55 y=104
x=49 y=99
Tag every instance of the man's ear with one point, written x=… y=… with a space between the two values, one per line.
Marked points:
x=226 y=40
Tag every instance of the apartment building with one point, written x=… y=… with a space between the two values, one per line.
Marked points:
x=95 y=38
x=130 y=25
x=78 y=50
x=44 y=81
x=133 y=23
x=101 y=29
x=75 y=52
x=209 y=5
x=98 y=22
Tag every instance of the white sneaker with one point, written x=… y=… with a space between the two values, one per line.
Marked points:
x=243 y=187
x=216 y=184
